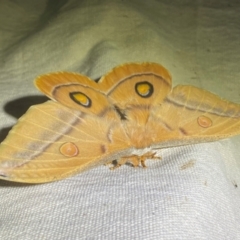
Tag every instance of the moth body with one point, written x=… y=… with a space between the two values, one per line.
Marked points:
x=128 y=114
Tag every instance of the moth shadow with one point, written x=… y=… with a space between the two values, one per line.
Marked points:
x=18 y=107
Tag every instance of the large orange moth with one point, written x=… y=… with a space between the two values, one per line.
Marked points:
x=130 y=113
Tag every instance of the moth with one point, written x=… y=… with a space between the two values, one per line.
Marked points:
x=126 y=116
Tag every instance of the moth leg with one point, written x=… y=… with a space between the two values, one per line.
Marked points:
x=109 y=163
x=133 y=159
x=113 y=164
x=148 y=155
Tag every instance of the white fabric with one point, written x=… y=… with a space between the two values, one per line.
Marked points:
x=193 y=193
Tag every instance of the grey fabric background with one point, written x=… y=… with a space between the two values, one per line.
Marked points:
x=193 y=193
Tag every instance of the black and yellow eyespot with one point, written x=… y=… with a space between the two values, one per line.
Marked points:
x=144 y=89
x=81 y=99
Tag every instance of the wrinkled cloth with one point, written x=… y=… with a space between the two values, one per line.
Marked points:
x=193 y=192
